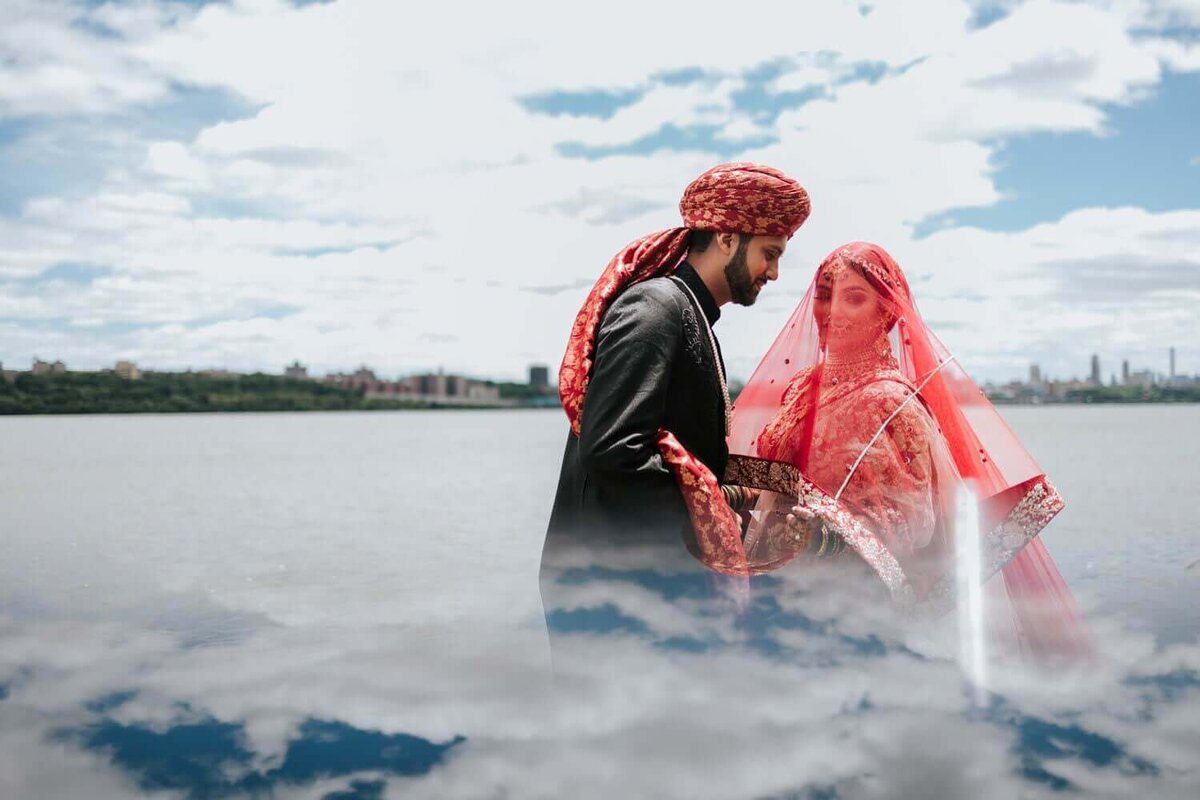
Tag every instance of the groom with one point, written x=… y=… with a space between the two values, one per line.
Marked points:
x=643 y=356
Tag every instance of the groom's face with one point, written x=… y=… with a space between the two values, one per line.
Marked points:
x=752 y=265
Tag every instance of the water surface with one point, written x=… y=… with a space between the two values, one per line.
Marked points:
x=346 y=605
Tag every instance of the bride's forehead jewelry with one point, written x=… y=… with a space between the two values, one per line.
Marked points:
x=845 y=256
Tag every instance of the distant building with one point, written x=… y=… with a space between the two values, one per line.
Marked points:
x=434 y=388
x=478 y=392
x=8 y=375
x=1143 y=378
x=437 y=389
x=1172 y=372
x=1035 y=374
x=1095 y=378
x=127 y=370
x=296 y=371
x=433 y=385
x=1125 y=372
x=539 y=376
x=362 y=379
x=48 y=367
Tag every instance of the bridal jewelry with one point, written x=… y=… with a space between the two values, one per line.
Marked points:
x=876 y=357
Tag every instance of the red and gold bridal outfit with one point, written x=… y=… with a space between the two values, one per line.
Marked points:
x=859 y=413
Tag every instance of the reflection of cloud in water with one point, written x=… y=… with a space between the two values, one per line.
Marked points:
x=224 y=601
x=664 y=686
x=758 y=712
x=208 y=758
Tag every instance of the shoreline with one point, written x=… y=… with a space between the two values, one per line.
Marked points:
x=459 y=408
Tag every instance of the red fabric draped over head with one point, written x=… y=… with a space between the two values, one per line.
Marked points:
x=890 y=436
x=729 y=198
x=984 y=448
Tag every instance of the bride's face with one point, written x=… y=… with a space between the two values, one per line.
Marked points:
x=847 y=309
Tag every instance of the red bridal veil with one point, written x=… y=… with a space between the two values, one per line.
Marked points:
x=859 y=413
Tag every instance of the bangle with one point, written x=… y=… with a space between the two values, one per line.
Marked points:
x=733 y=496
x=836 y=543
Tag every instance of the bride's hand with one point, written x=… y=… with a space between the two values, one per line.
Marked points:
x=813 y=533
x=800 y=525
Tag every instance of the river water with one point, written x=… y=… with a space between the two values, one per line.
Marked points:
x=346 y=605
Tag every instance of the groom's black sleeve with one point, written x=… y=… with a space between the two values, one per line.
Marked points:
x=626 y=397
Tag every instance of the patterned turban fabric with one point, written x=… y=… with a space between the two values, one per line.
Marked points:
x=729 y=198
x=745 y=198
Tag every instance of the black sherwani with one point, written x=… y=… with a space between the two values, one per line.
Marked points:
x=653 y=368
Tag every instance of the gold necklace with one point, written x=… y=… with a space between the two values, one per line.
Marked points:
x=874 y=358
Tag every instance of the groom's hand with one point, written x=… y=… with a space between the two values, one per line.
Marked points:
x=739 y=498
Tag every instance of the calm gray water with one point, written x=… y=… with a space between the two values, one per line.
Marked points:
x=346 y=606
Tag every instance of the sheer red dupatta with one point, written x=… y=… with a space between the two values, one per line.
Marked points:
x=859 y=411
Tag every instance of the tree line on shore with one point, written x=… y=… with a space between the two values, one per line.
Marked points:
x=166 y=392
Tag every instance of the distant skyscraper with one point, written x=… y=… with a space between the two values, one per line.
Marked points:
x=1035 y=374
x=1125 y=371
x=1095 y=379
x=1172 y=362
x=539 y=376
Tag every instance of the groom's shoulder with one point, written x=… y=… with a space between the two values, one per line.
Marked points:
x=649 y=310
x=660 y=293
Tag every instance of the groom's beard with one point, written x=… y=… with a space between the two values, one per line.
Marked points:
x=742 y=290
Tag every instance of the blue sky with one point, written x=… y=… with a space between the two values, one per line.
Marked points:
x=396 y=194
x=1147 y=157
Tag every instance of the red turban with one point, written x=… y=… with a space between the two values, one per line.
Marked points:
x=745 y=198
x=729 y=198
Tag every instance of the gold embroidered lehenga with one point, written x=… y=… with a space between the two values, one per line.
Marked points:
x=900 y=487
x=859 y=414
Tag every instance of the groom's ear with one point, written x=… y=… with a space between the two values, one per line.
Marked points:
x=728 y=242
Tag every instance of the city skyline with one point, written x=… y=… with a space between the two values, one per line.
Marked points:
x=169 y=197
x=540 y=374
x=537 y=375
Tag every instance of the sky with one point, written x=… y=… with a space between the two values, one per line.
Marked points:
x=413 y=187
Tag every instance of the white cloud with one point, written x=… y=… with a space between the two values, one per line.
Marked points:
x=392 y=141
x=52 y=66
x=173 y=160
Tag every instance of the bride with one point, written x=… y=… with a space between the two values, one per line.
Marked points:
x=861 y=437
